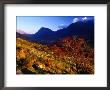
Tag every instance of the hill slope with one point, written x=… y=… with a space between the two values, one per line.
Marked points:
x=71 y=55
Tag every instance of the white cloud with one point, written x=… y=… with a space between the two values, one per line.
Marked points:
x=85 y=18
x=75 y=20
x=34 y=29
x=61 y=26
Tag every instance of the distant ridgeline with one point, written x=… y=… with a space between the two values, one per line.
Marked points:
x=84 y=29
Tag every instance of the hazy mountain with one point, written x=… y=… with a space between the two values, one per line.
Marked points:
x=21 y=31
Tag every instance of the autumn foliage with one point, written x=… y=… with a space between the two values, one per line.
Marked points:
x=70 y=55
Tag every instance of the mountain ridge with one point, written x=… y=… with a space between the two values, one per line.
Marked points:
x=47 y=36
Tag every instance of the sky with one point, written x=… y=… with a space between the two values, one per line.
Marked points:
x=31 y=24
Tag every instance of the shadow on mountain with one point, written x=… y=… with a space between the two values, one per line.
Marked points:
x=47 y=36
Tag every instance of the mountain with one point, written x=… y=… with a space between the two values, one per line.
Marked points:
x=84 y=29
x=43 y=31
x=21 y=31
x=44 y=35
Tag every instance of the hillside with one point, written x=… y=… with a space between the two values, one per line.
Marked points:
x=70 y=55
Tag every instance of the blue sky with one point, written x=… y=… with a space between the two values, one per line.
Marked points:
x=31 y=24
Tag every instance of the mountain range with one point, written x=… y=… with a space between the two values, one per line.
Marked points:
x=45 y=35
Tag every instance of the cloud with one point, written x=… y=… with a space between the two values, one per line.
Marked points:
x=62 y=26
x=75 y=20
x=85 y=18
x=34 y=29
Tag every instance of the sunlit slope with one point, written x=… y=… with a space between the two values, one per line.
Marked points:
x=68 y=56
